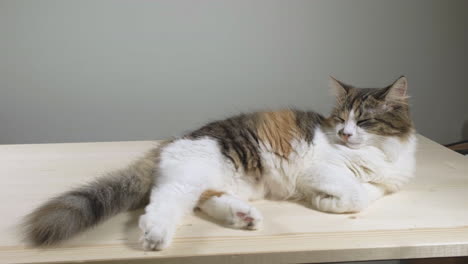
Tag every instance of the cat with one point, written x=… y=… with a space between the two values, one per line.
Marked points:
x=337 y=164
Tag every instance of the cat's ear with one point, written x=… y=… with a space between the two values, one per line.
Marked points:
x=397 y=92
x=339 y=89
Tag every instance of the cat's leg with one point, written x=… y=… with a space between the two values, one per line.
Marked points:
x=168 y=204
x=336 y=190
x=231 y=211
x=187 y=168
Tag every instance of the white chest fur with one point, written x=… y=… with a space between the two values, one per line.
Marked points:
x=388 y=161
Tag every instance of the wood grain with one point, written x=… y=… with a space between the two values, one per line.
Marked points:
x=429 y=218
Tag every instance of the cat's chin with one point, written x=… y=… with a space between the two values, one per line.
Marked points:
x=353 y=145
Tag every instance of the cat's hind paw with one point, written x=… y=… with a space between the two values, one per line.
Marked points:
x=156 y=236
x=245 y=218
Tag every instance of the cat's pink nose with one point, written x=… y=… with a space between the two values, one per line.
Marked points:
x=345 y=136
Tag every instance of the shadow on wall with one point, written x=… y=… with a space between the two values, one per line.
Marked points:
x=464 y=135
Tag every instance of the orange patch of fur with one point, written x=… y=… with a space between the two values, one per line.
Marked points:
x=208 y=194
x=278 y=129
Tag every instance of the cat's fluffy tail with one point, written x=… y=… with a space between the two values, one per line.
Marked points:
x=83 y=207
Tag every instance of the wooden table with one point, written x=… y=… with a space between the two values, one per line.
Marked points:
x=429 y=218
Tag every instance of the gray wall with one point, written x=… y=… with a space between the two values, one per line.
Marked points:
x=132 y=70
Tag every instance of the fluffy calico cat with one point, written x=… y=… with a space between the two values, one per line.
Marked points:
x=339 y=164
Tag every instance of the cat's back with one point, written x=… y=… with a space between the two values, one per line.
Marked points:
x=244 y=137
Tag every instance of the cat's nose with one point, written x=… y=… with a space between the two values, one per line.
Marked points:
x=345 y=136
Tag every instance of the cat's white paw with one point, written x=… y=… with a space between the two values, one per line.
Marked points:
x=245 y=217
x=334 y=204
x=328 y=203
x=156 y=234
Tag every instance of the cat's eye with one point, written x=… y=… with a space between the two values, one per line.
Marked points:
x=339 y=119
x=363 y=122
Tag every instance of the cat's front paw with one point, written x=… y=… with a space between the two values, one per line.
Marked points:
x=156 y=234
x=326 y=203
x=245 y=218
x=334 y=204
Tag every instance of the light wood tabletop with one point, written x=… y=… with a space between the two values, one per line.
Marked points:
x=428 y=218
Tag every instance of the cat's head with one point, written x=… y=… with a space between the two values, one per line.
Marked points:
x=364 y=116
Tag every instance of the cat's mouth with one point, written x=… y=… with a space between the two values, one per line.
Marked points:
x=352 y=145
